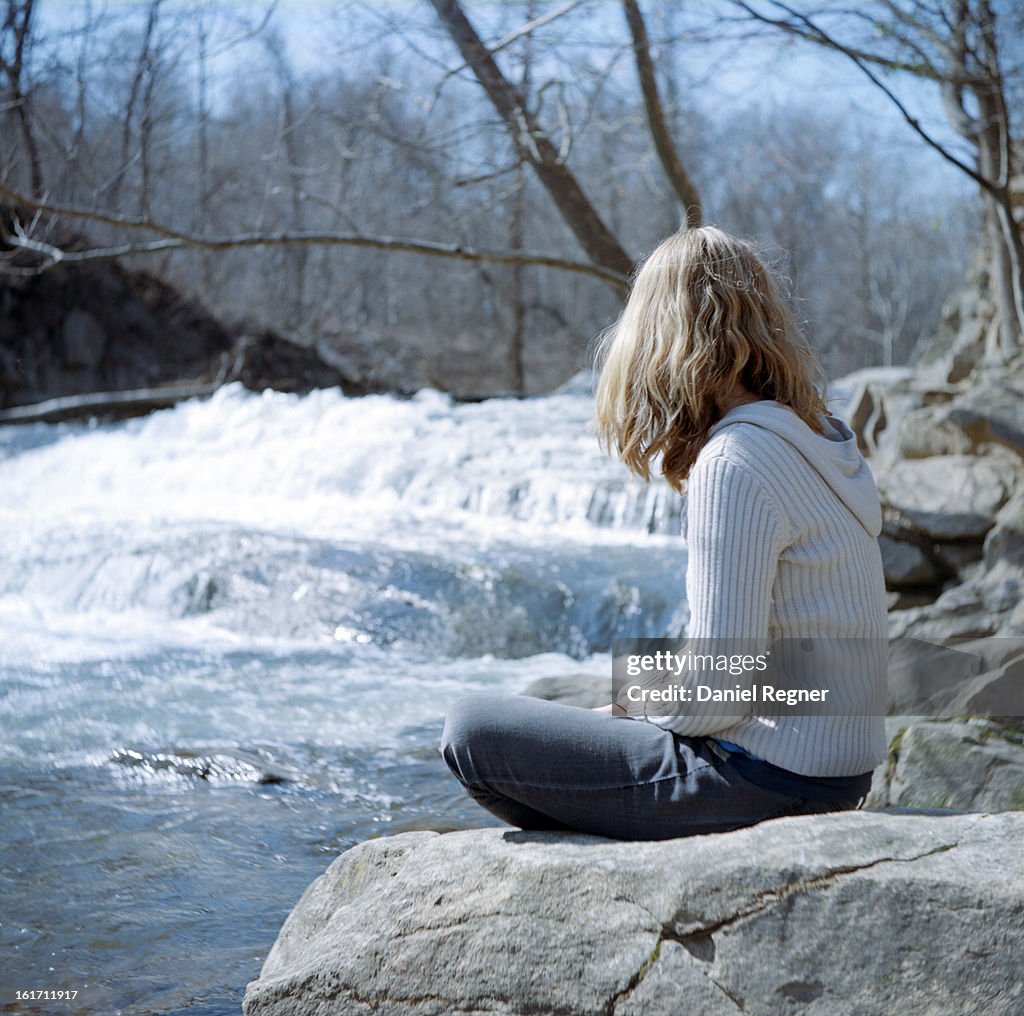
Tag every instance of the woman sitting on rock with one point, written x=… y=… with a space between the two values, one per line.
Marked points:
x=706 y=376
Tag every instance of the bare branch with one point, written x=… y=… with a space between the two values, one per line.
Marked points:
x=817 y=34
x=533 y=25
x=507 y=40
x=172 y=239
x=249 y=33
x=918 y=25
x=494 y=174
x=925 y=70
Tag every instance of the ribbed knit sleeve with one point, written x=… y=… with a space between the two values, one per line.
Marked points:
x=734 y=533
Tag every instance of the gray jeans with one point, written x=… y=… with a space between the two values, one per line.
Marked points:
x=544 y=765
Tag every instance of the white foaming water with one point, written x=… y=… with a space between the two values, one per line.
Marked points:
x=327 y=466
x=311 y=569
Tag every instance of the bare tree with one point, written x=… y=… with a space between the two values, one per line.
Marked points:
x=517 y=236
x=135 y=141
x=15 y=33
x=675 y=171
x=954 y=44
x=533 y=144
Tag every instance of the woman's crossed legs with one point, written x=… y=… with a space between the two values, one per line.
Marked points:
x=544 y=765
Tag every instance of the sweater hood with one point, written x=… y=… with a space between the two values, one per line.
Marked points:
x=834 y=454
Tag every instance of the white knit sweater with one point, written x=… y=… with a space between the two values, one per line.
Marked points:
x=782 y=527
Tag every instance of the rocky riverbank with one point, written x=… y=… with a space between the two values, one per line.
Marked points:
x=945 y=440
x=946 y=444
x=948 y=459
x=837 y=914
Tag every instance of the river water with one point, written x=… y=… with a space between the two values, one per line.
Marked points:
x=229 y=632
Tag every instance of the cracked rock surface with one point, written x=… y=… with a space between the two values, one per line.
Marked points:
x=855 y=913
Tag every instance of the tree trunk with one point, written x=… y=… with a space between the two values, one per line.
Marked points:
x=18 y=24
x=995 y=161
x=671 y=164
x=990 y=132
x=533 y=144
x=516 y=240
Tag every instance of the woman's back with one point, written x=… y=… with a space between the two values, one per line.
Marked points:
x=782 y=525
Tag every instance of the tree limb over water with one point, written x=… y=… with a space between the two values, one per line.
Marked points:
x=49 y=255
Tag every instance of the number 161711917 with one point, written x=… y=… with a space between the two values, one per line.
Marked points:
x=46 y=994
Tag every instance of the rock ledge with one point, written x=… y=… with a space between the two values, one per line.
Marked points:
x=840 y=914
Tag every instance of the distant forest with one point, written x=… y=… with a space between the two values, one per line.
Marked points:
x=473 y=182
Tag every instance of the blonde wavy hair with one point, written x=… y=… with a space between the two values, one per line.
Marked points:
x=703 y=314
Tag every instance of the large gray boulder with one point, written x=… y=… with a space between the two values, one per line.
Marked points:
x=950 y=497
x=971 y=765
x=925 y=677
x=993 y=414
x=990 y=601
x=965 y=420
x=834 y=915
